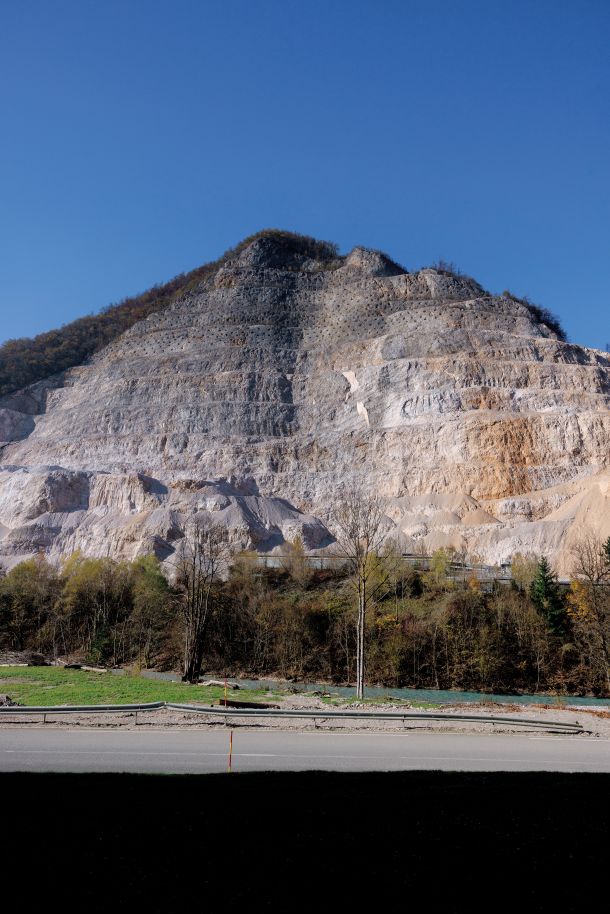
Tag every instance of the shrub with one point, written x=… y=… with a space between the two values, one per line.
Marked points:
x=447 y=268
x=542 y=315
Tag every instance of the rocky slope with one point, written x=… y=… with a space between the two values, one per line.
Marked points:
x=282 y=377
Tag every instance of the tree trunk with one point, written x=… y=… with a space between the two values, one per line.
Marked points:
x=192 y=664
x=600 y=617
x=434 y=666
x=360 y=641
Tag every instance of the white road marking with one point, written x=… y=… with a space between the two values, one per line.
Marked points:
x=278 y=755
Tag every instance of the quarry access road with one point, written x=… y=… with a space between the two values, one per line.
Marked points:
x=197 y=752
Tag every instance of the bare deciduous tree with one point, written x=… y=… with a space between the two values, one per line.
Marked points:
x=590 y=559
x=201 y=559
x=591 y=567
x=359 y=530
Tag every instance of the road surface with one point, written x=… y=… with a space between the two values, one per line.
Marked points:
x=183 y=751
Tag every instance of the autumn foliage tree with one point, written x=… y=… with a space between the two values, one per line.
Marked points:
x=589 y=601
x=27 y=596
x=151 y=616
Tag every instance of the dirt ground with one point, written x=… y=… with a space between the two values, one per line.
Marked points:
x=593 y=721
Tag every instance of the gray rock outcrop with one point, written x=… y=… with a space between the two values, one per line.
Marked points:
x=282 y=378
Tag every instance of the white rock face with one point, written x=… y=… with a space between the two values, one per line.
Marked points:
x=281 y=379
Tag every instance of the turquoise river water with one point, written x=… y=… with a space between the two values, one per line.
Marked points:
x=431 y=696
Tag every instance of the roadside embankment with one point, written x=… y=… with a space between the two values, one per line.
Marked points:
x=56 y=686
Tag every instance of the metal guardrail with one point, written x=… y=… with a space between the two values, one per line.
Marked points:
x=220 y=711
x=80 y=709
x=378 y=715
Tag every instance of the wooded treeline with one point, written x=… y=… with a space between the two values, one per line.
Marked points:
x=27 y=360
x=423 y=630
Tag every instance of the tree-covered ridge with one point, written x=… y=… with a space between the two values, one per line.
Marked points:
x=27 y=360
x=542 y=315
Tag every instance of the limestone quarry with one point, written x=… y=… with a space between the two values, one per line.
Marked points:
x=281 y=378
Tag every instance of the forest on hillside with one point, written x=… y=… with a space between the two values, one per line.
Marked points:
x=25 y=361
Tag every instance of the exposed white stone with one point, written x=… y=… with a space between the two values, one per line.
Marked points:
x=477 y=425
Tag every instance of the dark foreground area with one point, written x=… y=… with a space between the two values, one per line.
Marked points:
x=305 y=841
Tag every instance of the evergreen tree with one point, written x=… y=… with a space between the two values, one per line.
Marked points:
x=547 y=597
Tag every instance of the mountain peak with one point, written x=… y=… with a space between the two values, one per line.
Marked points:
x=293 y=371
x=279 y=249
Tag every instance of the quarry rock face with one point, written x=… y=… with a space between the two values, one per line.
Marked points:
x=284 y=377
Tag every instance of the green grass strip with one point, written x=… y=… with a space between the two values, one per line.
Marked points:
x=51 y=685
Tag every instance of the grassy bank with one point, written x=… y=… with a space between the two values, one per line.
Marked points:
x=51 y=685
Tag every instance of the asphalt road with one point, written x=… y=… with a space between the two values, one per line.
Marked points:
x=179 y=751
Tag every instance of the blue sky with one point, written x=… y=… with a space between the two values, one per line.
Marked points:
x=140 y=139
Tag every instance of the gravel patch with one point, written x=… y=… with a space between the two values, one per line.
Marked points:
x=595 y=722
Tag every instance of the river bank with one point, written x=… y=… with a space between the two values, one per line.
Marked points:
x=56 y=686
x=378 y=692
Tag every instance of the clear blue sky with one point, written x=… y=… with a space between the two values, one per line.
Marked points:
x=140 y=139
